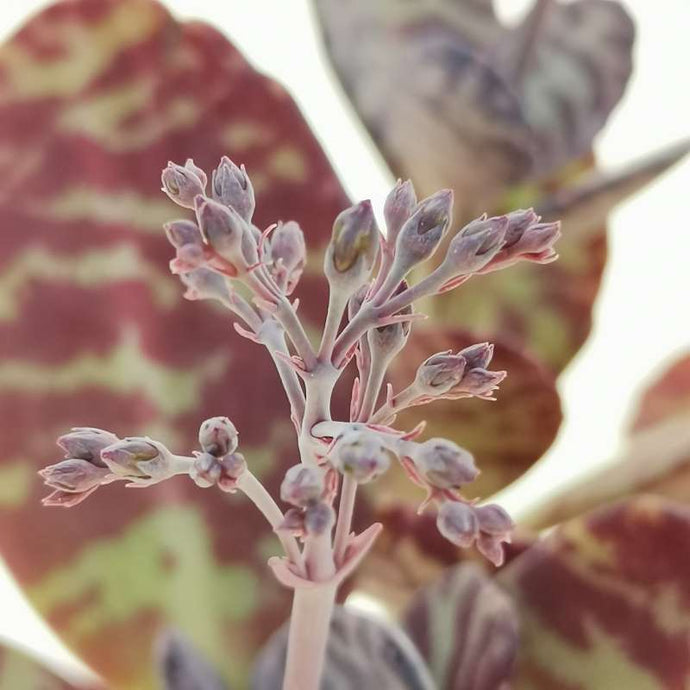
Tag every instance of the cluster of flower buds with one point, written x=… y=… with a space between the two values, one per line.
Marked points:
x=95 y=457
x=218 y=463
x=222 y=241
x=487 y=527
x=361 y=453
x=458 y=375
x=309 y=489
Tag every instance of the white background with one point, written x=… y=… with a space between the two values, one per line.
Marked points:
x=641 y=317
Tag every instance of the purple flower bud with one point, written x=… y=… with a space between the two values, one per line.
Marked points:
x=182 y=233
x=439 y=373
x=355 y=241
x=73 y=475
x=203 y=283
x=123 y=458
x=458 y=523
x=181 y=185
x=539 y=239
x=319 y=519
x=223 y=228
x=494 y=520
x=477 y=356
x=474 y=246
x=399 y=206
x=288 y=253
x=422 y=233
x=362 y=455
x=444 y=464
x=293 y=522
x=233 y=465
x=303 y=485
x=218 y=436
x=478 y=382
x=231 y=186
x=67 y=499
x=206 y=470
x=518 y=222
x=86 y=443
x=491 y=547
x=190 y=165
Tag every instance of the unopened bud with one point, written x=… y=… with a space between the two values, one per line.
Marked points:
x=362 y=455
x=192 y=167
x=218 y=436
x=474 y=246
x=181 y=184
x=73 y=475
x=491 y=547
x=303 y=485
x=458 y=523
x=399 y=206
x=205 y=471
x=222 y=227
x=319 y=519
x=233 y=465
x=231 y=186
x=477 y=356
x=354 y=246
x=420 y=236
x=293 y=522
x=444 y=464
x=203 y=283
x=518 y=222
x=479 y=383
x=539 y=239
x=182 y=232
x=124 y=457
x=288 y=253
x=494 y=520
x=86 y=443
x=439 y=373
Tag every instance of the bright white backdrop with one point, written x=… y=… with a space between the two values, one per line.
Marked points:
x=642 y=316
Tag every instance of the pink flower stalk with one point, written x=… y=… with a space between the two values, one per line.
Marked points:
x=368 y=274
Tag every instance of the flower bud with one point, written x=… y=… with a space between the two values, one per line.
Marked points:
x=477 y=356
x=319 y=519
x=86 y=443
x=67 y=499
x=422 y=233
x=74 y=475
x=477 y=382
x=439 y=373
x=444 y=464
x=303 y=485
x=205 y=471
x=203 y=283
x=494 y=520
x=233 y=465
x=293 y=522
x=192 y=167
x=223 y=228
x=518 y=222
x=354 y=246
x=288 y=253
x=218 y=436
x=398 y=207
x=474 y=246
x=124 y=457
x=182 y=232
x=361 y=454
x=458 y=523
x=491 y=547
x=181 y=184
x=231 y=186
x=537 y=241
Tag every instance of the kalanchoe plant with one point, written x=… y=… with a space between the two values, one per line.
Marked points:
x=222 y=255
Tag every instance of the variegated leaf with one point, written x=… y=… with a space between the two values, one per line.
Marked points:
x=466 y=628
x=604 y=601
x=362 y=653
x=656 y=458
x=95 y=97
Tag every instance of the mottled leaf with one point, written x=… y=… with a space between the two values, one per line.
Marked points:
x=19 y=671
x=604 y=601
x=362 y=653
x=656 y=458
x=181 y=667
x=95 y=97
x=466 y=628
